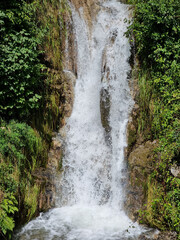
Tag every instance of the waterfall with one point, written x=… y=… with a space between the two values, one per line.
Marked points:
x=90 y=203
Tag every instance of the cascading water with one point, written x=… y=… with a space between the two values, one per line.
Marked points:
x=90 y=205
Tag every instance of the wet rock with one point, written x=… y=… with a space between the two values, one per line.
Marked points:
x=45 y=177
x=113 y=36
x=90 y=9
x=70 y=46
x=142 y=156
x=105 y=111
x=131 y=135
x=154 y=234
x=166 y=236
x=56 y=144
x=149 y=234
x=68 y=91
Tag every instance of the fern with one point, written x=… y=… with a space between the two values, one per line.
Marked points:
x=7 y=210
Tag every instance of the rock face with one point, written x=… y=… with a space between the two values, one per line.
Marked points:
x=45 y=177
x=140 y=155
x=90 y=9
x=69 y=46
x=140 y=163
x=68 y=91
x=105 y=111
x=140 y=159
x=159 y=236
x=166 y=236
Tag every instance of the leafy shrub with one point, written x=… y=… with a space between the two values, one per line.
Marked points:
x=20 y=69
x=27 y=94
x=7 y=181
x=7 y=209
x=20 y=145
x=156 y=29
x=20 y=74
x=21 y=151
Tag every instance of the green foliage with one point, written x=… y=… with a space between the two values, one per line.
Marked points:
x=20 y=69
x=163 y=208
x=156 y=29
x=55 y=29
x=31 y=200
x=7 y=209
x=50 y=17
x=7 y=182
x=28 y=93
x=144 y=99
x=20 y=72
x=21 y=151
x=19 y=145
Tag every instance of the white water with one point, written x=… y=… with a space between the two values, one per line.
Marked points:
x=90 y=206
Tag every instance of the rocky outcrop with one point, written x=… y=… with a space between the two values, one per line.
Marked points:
x=69 y=46
x=68 y=92
x=140 y=157
x=105 y=111
x=90 y=9
x=159 y=236
x=140 y=163
x=62 y=98
x=45 y=177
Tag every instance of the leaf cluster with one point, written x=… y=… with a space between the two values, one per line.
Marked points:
x=20 y=69
x=21 y=151
x=156 y=30
x=7 y=209
x=20 y=145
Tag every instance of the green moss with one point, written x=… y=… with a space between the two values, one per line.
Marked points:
x=131 y=138
x=50 y=16
x=162 y=210
x=31 y=200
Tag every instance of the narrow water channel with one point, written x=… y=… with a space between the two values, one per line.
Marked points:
x=90 y=203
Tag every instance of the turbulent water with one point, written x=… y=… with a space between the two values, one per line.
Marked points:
x=90 y=203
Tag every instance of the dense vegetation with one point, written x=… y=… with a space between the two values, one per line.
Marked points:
x=20 y=68
x=156 y=30
x=30 y=66
x=22 y=150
